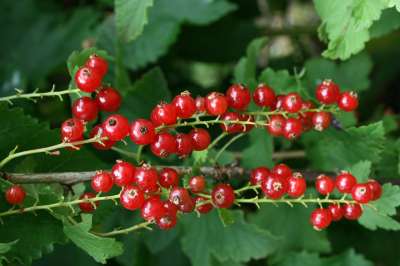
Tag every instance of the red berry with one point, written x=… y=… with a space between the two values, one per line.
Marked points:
x=231 y=127
x=170 y=208
x=320 y=218
x=87 y=80
x=279 y=101
x=264 y=96
x=72 y=130
x=336 y=211
x=246 y=118
x=180 y=197
x=352 y=211
x=307 y=116
x=276 y=125
x=102 y=182
x=185 y=105
x=166 y=222
x=223 y=196
x=123 y=173
x=164 y=145
x=361 y=193
x=153 y=208
x=292 y=128
x=200 y=139
x=202 y=207
x=296 y=185
x=88 y=206
x=105 y=144
x=142 y=132
x=108 y=99
x=169 y=178
x=324 y=185
x=216 y=103
x=15 y=194
x=85 y=109
x=274 y=186
x=345 y=182
x=197 y=184
x=184 y=145
x=238 y=97
x=146 y=178
x=282 y=170
x=348 y=101
x=376 y=189
x=164 y=114
x=292 y=103
x=200 y=104
x=132 y=198
x=116 y=127
x=327 y=92
x=257 y=175
x=321 y=120
x=98 y=64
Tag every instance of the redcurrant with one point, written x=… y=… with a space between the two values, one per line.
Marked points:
x=166 y=222
x=324 y=185
x=15 y=194
x=257 y=175
x=197 y=184
x=132 y=197
x=98 y=64
x=116 y=127
x=376 y=189
x=153 y=208
x=336 y=211
x=85 y=109
x=292 y=103
x=185 y=105
x=223 y=196
x=72 y=130
x=321 y=120
x=292 y=128
x=264 y=96
x=238 y=97
x=200 y=139
x=320 y=218
x=102 y=182
x=169 y=178
x=216 y=103
x=146 y=178
x=345 y=182
x=352 y=211
x=200 y=104
x=282 y=170
x=202 y=207
x=327 y=92
x=180 y=197
x=142 y=132
x=164 y=145
x=108 y=99
x=246 y=118
x=361 y=193
x=276 y=125
x=123 y=173
x=184 y=145
x=87 y=79
x=164 y=114
x=348 y=101
x=228 y=126
x=296 y=185
x=274 y=186
x=88 y=206
x=105 y=144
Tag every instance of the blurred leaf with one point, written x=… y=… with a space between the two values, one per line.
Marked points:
x=377 y=213
x=388 y=22
x=157 y=239
x=226 y=217
x=281 y=81
x=100 y=248
x=131 y=17
x=389 y=165
x=348 y=258
x=260 y=151
x=300 y=259
x=206 y=237
x=5 y=247
x=361 y=171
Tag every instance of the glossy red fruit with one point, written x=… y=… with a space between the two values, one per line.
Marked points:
x=200 y=104
x=246 y=118
x=324 y=185
x=320 y=218
x=166 y=222
x=336 y=211
x=238 y=96
x=116 y=127
x=87 y=80
x=257 y=175
x=85 y=109
x=146 y=177
x=98 y=64
x=105 y=144
x=352 y=211
x=153 y=208
x=293 y=128
x=321 y=120
x=88 y=206
x=164 y=114
x=164 y=145
x=345 y=182
x=123 y=173
x=327 y=92
x=197 y=184
x=180 y=197
x=72 y=130
x=132 y=197
x=348 y=101
x=282 y=170
x=185 y=105
x=108 y=99
x=200 y=139
x=223 y=196
x=230 y=127
x=15 y=194
x=102 y=182
x=292 y=103
x=274 y=187
x=203 y=207
x=170 y=208
x=296 y=185
x=216 y=103
x=276 y=125
x=376 y=189
x=279 y=101
x=142 y=132
x=306 y=116
x=361 y=193
x=264 y=96
x=168 y=178
x=184 y=145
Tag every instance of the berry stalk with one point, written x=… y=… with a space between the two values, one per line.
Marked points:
x=36 y=94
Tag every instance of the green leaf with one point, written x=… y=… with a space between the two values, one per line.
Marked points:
x=100 y=248
x=6 y=247
x=281 y=81
x=300 y=259
x=131 y=17
x=245 y=69
x=389 y=21
x=226 y=217
x=361 y=171
x=389 y=166
x=377 y=213
x=157 y=239
x=347 y=258
x=260 y=151
x=205 y=237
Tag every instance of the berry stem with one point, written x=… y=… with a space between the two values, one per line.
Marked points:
x=217 y=139
x=124 y=152
x=232 y=140
x=36 y=94
x=143 y=225
x=300 y=200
